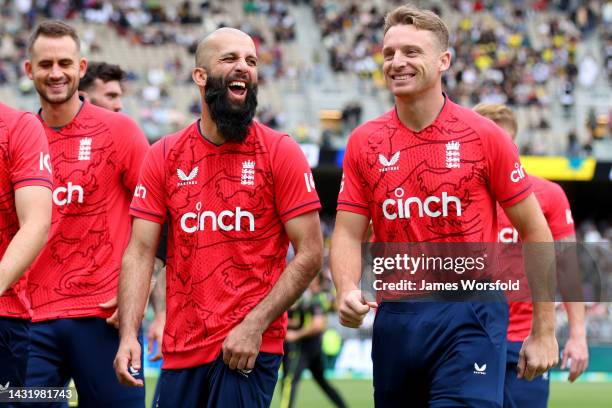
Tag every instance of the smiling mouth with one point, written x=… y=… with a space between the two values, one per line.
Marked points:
x=237 y=87
x=402 y=77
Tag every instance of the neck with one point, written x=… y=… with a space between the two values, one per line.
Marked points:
x=209 y=128
x=418 y=112
x=60 y=114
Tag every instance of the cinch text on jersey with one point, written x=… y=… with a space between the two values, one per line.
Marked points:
x=400 y=207
x=226 y=220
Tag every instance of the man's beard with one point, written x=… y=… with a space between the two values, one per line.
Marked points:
x=55 y=101
x=233 y=121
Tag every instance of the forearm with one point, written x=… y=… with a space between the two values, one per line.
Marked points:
x=291 y=284
x=158 y=296
x=575 y=316
x=21 y=252
x=316 y=327
x=345 y=261
x=539 y=259
x=134 y=282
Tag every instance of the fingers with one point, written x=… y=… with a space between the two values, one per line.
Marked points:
x=577 y=367
x=113 y=320
x=239 y=360
x=157 y=356
x=520 y=367
x=110 y=304
x=127 y=365
x=565 y=359
x=353 y=309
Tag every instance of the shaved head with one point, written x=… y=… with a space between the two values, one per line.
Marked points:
x=213 y=41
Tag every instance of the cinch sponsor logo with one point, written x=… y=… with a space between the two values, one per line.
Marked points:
x=226 y=220
x=140 y=191
x=65 y=195
x=45 y=162
x=508 y=235
x=390 y=164
x=518 y=173
x=401 y=208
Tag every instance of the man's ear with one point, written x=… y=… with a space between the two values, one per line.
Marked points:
x=199 y=76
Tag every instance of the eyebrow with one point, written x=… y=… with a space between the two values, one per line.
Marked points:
x=404 y=48
x=235 y=54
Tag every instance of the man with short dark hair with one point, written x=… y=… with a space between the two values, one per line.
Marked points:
x=102 y=85
x=96 y=156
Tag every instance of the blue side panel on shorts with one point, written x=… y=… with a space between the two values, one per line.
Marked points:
x=83 y=349
x=519 y=393
x=440 y=354
x=214 y=385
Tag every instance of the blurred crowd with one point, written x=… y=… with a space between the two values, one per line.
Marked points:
x=519 y=52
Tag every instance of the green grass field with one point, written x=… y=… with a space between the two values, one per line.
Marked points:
x=358 y=394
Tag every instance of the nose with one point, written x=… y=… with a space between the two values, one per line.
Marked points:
x=398 y=60
x=56 y=72
x=118 y=106
x=241 y=65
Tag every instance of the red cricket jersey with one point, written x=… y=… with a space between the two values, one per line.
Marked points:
x=558 y=214
x=437 y=185
x=96 y=161
x=226 y=242
x=24 y=161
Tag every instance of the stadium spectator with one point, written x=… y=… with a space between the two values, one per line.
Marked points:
x=227 y=304
x=395 y=159
x=25 y=191
x=556 y=209
x=96 y=156
x=303 y=345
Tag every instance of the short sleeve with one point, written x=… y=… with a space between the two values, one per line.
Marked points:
x=507 y=179
x=557 y=211
x=149 y=201
x=133 y=146
x=351 y=197
x=294 y=187
x=29 y=151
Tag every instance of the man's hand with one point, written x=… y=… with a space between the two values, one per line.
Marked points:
x=128 y=359
x=241 y=347
x=114 y=319
x=352 y=308
x=539 y=354
x=575 y=356
x=292 y=336
x=155 y=334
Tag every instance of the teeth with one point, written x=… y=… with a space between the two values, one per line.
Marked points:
x=238 y=83
x=403 y=77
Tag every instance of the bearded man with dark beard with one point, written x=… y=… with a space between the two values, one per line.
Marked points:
x=236 y=193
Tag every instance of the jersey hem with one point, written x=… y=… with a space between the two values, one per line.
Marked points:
x=301 y=209
x=520 y=196
x=42 y=317
x=146 y=215
x=354 y=208
x=208 y=354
